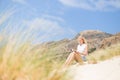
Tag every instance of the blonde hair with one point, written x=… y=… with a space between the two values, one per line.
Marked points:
x=84 y=40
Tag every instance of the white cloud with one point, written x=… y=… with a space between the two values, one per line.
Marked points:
x=20 y=1
x=25 y=3
x=46 y=29
x=44 y=25
x=53 y=17
x=101 y=5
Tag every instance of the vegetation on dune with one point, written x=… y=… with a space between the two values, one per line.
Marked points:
x=22 y=62
x=104 y=54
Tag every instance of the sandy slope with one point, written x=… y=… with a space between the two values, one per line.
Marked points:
x=107 y=70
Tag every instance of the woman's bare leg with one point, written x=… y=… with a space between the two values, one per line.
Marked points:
x=73 y=56
x=69 y=59
x=78 y=58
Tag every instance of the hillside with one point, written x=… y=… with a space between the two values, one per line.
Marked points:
x=93 y=34
x=110 y=40
x=96 y=40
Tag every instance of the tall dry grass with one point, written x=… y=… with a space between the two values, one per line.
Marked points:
x=104 y=54
x=18 y=59
x=24 y=64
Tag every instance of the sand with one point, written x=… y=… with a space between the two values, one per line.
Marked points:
x=106 y=70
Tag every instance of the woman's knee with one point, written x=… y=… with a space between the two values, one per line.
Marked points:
x=72 y=53
x=76 y=54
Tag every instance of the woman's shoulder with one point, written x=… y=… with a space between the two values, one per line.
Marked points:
x=85 y=45
x=82 y=45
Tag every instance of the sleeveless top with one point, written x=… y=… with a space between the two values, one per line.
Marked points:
x=81 y=48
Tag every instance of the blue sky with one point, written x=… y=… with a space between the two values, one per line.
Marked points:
x=58 y=19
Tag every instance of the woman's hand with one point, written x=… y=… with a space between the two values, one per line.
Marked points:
x=74 y=50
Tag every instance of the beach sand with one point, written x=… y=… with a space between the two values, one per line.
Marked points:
x=106 y=70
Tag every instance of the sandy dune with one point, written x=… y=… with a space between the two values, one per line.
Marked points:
x=106 y=70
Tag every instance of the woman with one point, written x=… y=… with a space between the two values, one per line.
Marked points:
x=80 y=54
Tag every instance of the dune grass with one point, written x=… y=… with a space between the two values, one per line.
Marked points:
x=104 y=54
x=21 y=62
x=18 y=58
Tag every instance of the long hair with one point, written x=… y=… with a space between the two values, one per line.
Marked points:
x=84 y=40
